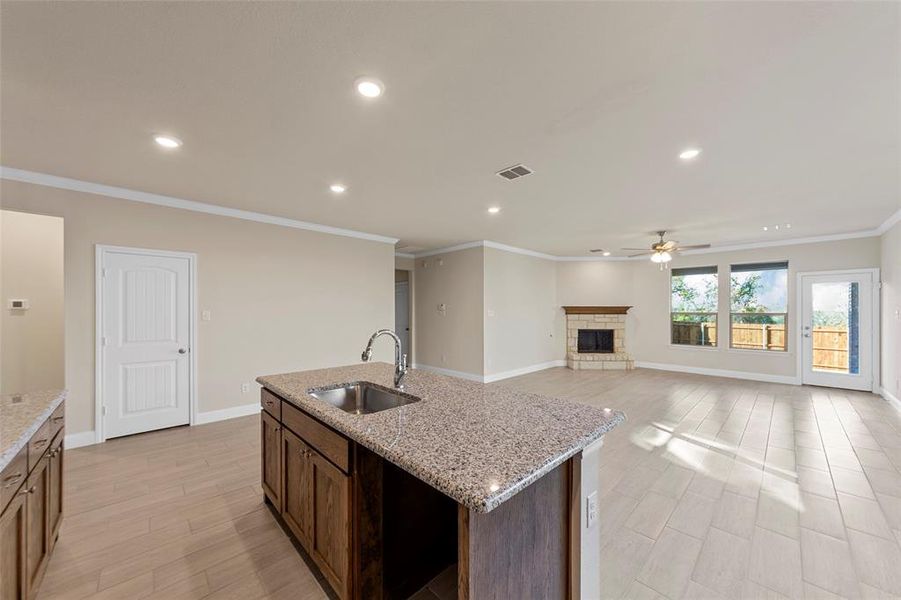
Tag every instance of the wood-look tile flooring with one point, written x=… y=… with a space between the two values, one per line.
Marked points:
x=721 y=488
x=714 y=488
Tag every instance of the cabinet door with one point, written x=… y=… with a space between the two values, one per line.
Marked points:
x=37 y=539
x=55 y=490
x=12 y=549
x=330 y=546
x=297 y=486
x=272 y=462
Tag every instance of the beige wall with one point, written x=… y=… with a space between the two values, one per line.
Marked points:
x=523 y=320
x=650 y=342
x=516 y=287
x=405 y=264
x=31 y=267
x=453 y=340
x=891 y=311
x=281 y=299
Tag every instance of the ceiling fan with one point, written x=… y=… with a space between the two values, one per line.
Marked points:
x=662 y=250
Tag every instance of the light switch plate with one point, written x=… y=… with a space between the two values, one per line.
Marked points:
x=206 y=315
x=591 y=509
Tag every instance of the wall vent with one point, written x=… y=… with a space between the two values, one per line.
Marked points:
x=515 y=172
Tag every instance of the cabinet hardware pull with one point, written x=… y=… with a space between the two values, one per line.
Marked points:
x=12 y=480
x=40 y=442
x=58 y=419
x=29 y=490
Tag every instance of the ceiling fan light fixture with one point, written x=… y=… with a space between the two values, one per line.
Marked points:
x=661 y=257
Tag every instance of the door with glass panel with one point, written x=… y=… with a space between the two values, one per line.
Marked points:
x=837 y=330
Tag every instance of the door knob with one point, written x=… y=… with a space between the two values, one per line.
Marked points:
x=182 y=350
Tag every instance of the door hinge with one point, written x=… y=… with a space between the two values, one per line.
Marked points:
x=103 y=272
x=103 y=341
x=103 y=410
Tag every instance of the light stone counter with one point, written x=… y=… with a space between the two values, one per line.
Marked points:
x=20 y=416
x=478 y=444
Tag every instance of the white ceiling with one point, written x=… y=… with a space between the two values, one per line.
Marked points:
x=796 y=107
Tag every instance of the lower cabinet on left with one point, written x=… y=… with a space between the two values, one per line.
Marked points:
x=12 y=549
x=30 y=522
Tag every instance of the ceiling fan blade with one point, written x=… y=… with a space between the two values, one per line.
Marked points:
x=596 y=250
x=695 y=246
x=642 y=249
x=667 y=246
x=640 y=254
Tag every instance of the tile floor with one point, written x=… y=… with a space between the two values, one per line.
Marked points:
x=714 y=488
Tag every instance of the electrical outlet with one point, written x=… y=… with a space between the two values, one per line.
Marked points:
x=206 y=315
x=245 y=387
x=591 y=509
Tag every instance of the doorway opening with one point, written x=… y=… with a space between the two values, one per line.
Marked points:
x=403 y=311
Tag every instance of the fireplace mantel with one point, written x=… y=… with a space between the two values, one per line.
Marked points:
x=596 y=310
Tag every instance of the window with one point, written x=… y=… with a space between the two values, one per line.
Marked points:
x=759 y=294
x=693 y=306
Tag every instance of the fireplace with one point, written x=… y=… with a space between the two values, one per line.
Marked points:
x=595 y=340
x=596 y=337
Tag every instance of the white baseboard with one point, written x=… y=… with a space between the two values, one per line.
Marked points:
x=82 y=438
x=211 y=416
x=449 y=372
x=786 y=379
x=524 y=370
x=890 y=398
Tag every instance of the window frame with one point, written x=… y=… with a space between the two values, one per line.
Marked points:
x=701 y=270
x=760 y=266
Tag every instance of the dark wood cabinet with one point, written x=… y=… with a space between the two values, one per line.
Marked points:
x=12 y=549
x=37 y=532
x=330 y=544
x=305 y=476
x=271 y=440
x=296 y=498
x=31 y=509
x=55 y=490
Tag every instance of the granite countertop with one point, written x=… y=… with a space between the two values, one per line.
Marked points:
x=478 y=444
x=20 y=417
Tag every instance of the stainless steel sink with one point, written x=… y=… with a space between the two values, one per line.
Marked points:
x=362 y=398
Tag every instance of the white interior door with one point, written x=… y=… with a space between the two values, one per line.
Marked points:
x=402 y=314
x=837 y=330
x=146 y=332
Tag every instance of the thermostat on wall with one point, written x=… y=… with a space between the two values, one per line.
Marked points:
x=17 y=304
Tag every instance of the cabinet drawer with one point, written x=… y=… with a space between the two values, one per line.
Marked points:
x=271 y=403
x=38 y=444
x=326 y=441
x=57 y=420
x=12 y=477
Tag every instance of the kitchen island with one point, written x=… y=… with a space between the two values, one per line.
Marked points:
x=500 y=483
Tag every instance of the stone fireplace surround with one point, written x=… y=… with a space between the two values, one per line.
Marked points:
x=597 y=317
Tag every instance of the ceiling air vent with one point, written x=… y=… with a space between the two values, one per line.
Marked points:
x=515 y=172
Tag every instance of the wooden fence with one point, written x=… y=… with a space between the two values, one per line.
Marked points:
x=830 y=344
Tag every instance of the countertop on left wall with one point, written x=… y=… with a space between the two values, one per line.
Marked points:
x=20 y=416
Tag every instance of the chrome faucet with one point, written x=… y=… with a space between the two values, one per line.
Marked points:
x=400 y=360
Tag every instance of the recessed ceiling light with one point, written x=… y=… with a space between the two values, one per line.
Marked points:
x=605 y=253
x=338 y=188
x=765 y=228
x=689 y=153
x=494 y=210
x=167 y=141
x=369 y=87
x=776 y=227
x=788 y=225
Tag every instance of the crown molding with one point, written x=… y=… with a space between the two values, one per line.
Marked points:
x=110 y=191
x=817 y=239
x=890 y=222
x=404 y=255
